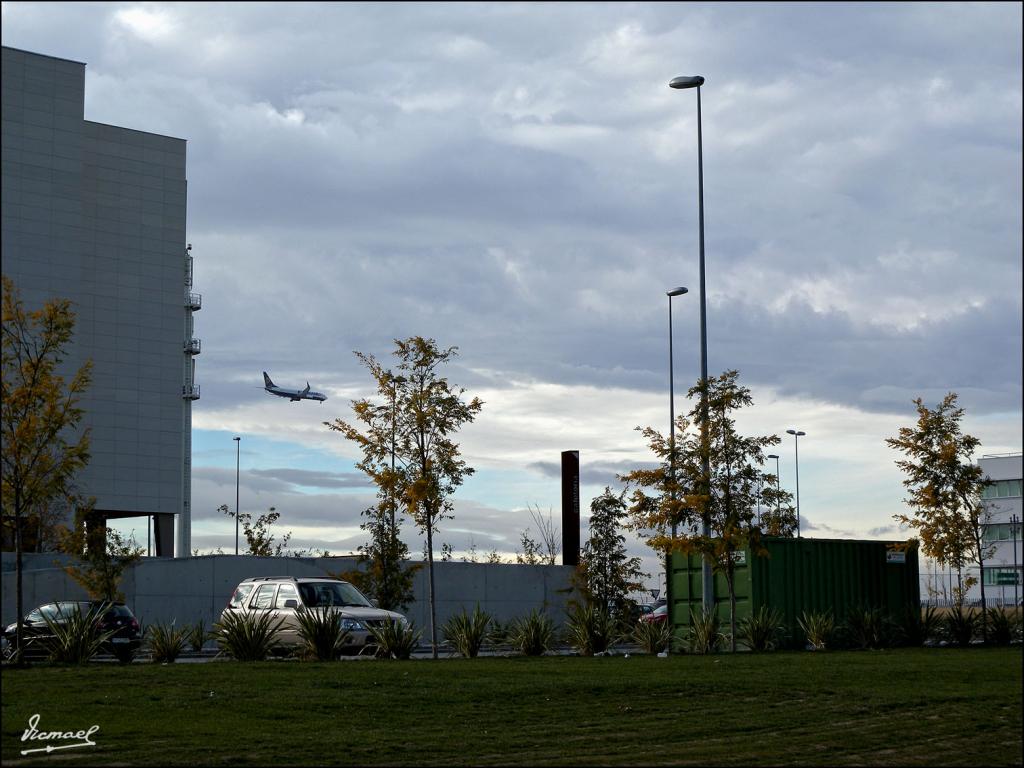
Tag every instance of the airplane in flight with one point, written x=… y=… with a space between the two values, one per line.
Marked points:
x=292 y=394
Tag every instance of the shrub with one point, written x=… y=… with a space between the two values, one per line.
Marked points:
x=78 y=638
x=247 y=635
x=468 y=632
x=919 y=625
x=653 y=636
x=591 y=630
x=868 y=628
x=126 y=653
x=703 y=635
x=960 y=626
x=165 y=643
x=532 y=634
x=499 y=632
x=819 y=629
x=320 y=634
x=395 y=639
x=762 y=630
x=197 y=636
x=1001 y=626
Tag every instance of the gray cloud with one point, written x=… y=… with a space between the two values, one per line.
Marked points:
x=597 y=473
x=517 y=179
x=522 y=206
x=308 y=479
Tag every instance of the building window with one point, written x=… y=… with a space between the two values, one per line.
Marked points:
x=1001 y=489
x=999 y=577
x=997 y=532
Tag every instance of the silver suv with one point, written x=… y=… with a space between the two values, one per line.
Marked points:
x=284 y=596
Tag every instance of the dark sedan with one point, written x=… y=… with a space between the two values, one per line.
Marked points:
x=125 y=639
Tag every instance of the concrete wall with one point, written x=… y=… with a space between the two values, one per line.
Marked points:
x=194 y=588
x=95 y=214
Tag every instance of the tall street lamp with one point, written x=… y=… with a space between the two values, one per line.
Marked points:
x=682 y=83
x=796 y=447
x=672 y=405
x=238 y=451
x=1014 y=527
x=778 y=501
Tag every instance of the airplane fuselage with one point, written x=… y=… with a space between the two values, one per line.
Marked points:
x=294 y=395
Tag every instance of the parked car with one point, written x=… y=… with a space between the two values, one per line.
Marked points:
x=285 y=596
x=36 y=630
x=657 y=616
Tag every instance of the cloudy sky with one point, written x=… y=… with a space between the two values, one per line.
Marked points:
x=518 y=180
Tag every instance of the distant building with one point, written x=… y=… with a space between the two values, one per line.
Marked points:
x=1002 y=498
x=95 y=213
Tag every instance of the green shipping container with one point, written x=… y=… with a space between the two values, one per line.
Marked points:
x=796 y=575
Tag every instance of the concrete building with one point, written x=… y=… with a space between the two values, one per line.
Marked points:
x=95 y=213
x=1003 y=505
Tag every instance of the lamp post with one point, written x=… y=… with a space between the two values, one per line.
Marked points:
x=1014 y=527
x=796 y=447
x=778 y=501
x=672 y=405
x=238 y=451
x=683 y=83
x=760 y=493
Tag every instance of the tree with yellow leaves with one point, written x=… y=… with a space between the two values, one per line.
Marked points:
x=669 y=503
x=945 y=489
x=428 y=467
x=39 y=415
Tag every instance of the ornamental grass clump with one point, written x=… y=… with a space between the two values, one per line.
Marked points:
x=247 y=635
x=395 y=639
x=591 y=630
x=166 y=643
x=79 y=637
x=197 y=636
x=1002 y=626
x=468 y=632
x=762 y=630
x=867 y=628
x=653 y=636
x=919 y=625
x=818 y=628
x=961 y=626
x=499 y=632
x=321 y=637
x=532 y=634
x=703 y=635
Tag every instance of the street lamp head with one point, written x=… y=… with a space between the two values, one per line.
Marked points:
x=794 y=432
x=236 y=438
x=772 y=456
x=678 y=291
x=693 y=81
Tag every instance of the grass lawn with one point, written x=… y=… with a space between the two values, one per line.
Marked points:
x=897 y=707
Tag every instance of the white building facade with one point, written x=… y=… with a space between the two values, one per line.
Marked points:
x=1002 y=526
x=96 y=214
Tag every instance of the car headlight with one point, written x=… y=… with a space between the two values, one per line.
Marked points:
x=352 y=625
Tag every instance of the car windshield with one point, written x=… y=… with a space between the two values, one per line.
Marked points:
x=326 y=593
x=118 y=612
x=68 y=608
